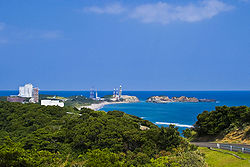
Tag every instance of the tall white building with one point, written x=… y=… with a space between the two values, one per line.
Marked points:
x=26 y=90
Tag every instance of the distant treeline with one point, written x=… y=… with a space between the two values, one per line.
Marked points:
x=79 y=101
x=3 y=98
x=35 y=135
x=74 y=101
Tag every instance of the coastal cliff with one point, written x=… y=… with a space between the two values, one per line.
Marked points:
x=166 y=99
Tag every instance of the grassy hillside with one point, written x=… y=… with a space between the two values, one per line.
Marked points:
x=236 y=135
x=218 y=159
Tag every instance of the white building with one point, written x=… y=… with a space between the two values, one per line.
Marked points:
x=52 y=103
x=26 y=90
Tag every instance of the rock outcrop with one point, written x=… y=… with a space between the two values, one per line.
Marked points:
x=144 y=127
x=159 y=99
x=185 y=99
x=166 y=99
x=129 y=99
x=207 y=100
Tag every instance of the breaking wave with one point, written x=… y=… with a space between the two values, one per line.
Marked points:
x=176 y=124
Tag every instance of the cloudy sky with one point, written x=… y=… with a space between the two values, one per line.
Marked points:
x=144 y=45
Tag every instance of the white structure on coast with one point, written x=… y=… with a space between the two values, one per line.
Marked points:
x=94 y=94
x=117 y=94
x=26 y=90
x=52 y=103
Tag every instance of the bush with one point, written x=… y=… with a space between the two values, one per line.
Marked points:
x=116 y=113
x=13 y=154
x=103 y=158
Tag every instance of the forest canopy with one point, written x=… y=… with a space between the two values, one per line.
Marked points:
x=35 y=135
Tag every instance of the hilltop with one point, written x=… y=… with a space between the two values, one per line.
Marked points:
x=35 y=135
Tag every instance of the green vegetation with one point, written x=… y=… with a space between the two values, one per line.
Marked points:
x=108 y=96
x=34 y=135
x=13 y=154
x=218 y=159
x=216 y=124
x=3 y=98
x=73 y=101
x=43 y=97
x=77 y=101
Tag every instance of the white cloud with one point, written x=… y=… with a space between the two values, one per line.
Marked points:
x=109 y=9
x=2 y=26
x=51 y=35
x=165 y=13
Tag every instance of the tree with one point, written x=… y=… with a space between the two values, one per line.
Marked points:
x=13 y=154
x=164 y=162
x=103 y=158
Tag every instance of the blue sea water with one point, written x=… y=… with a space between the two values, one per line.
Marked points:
x=182 y=114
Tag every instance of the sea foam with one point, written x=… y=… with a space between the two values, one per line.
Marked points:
x=176 y=124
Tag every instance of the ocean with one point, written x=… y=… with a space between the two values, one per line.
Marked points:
x=183 y=115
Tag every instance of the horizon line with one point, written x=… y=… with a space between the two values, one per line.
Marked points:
x=138 y=90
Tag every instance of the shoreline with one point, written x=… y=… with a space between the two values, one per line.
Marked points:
x=99 y=106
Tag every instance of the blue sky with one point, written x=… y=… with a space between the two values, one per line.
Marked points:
x=144 y=45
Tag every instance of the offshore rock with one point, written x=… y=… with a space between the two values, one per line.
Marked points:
x=129 y=99
x=207 y=100
x=159 y=99
x=185 y=99
x=166 y=99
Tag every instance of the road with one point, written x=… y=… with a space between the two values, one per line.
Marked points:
x=214 y=145
x=226 y=145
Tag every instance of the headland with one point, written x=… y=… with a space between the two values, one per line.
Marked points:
x=111 y=100
x=166 y=99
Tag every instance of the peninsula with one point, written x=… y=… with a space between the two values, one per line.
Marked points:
x=166 y=99
x=29 y=94
x=116 y=98
x=111 y=100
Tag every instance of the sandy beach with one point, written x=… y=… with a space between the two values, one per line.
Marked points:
x=97 y=107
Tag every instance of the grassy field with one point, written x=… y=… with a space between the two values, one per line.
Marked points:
x=218 y=159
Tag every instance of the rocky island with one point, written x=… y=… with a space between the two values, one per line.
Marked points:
x=129 y=99
x=166 y=99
